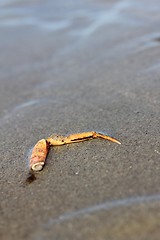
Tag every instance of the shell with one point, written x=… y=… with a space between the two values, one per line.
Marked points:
x=39 y=154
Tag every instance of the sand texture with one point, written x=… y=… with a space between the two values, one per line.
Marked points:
x=74 y=66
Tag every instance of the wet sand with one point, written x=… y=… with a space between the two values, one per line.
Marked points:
x=74 y=67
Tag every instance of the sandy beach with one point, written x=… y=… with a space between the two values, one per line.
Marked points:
x=75 y=66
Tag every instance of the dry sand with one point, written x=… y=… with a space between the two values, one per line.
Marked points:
x=69 y=67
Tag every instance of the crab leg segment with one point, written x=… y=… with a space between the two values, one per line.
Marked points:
x=100 y=135
x=78 y=137
x=86 y=136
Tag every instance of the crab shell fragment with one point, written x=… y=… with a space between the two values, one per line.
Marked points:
x=39 y=154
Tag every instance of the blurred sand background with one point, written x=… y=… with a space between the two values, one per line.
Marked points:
x=74 y=66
